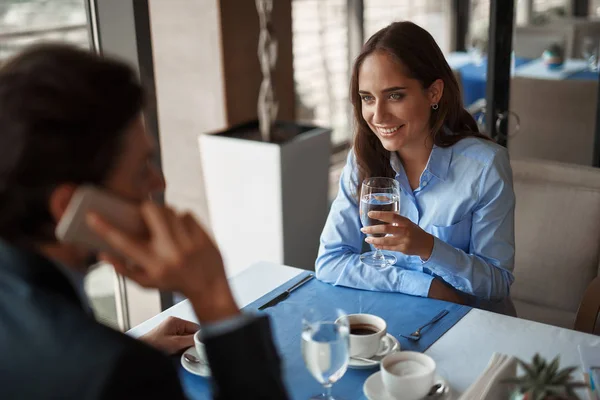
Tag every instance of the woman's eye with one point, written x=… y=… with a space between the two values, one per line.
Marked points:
x=396 y=96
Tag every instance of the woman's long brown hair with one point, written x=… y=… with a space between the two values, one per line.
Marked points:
x=423 y=60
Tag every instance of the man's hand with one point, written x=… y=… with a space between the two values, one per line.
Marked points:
x=177 y=255
x=441 y=291
x=172 y=335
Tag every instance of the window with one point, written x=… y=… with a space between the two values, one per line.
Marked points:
x=544 y=6
x=594 y=8
x=432 y=15
x=23 y=22
x=320 y=48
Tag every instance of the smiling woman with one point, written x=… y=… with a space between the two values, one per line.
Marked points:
x=453 y=237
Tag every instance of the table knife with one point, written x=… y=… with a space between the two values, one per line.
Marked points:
x=279 y=298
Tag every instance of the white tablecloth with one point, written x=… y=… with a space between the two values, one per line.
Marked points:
x=537 y=69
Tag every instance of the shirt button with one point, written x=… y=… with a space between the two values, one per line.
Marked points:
x=424 y=184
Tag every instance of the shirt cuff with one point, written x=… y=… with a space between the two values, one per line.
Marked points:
x=415 y=283
x=443 y=256
x=225 y=326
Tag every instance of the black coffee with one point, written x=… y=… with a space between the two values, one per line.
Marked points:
x=363 y=329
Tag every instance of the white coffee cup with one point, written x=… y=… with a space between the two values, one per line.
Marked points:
x=199 y=346
x=368 y=344
x=407 y=375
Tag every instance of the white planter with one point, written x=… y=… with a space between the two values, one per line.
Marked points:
x=267 y=202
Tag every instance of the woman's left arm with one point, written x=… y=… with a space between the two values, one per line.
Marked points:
x=486 y=270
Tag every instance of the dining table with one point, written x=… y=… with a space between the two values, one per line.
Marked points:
x=473 y=72
x=461 y=345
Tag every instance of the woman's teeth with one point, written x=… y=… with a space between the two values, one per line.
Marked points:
x=388 y=130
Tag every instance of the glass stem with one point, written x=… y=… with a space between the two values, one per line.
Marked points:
x=327 y=393
x=378 y=255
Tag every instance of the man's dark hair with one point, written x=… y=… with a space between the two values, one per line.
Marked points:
x=63 y=113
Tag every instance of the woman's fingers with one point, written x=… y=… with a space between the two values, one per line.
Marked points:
x=384 y=228
x=385 y=241
x=390 y=217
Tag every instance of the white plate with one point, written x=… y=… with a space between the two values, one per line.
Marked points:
x=374 y=390
x=196 y=369
x=358 y=364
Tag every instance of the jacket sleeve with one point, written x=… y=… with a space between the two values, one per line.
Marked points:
x=245 y=364
x=141 y=372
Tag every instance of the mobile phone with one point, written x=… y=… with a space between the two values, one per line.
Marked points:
x=120 y=213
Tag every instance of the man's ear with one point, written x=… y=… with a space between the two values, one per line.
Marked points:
x=59 y=200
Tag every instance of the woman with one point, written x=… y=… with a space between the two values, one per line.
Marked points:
x=454 y=237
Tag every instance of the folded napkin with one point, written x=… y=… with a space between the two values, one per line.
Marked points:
x=489 y=385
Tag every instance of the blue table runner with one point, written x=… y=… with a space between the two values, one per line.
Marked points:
x=403 y=314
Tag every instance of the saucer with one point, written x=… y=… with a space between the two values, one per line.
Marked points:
x=357 y=364
x=374 y=390
x=196 y=369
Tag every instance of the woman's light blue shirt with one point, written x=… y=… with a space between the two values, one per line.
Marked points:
x=465 y=199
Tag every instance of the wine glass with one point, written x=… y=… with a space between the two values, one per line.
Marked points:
x=378 y=194
x=589 y=50
x=325 y=343
x=475 y=48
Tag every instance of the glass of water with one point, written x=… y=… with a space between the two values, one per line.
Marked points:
x=476 y=49
x=589 y=50
x=378 y=194
x=325 y=342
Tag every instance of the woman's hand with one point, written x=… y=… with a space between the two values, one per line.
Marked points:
x=403 y=235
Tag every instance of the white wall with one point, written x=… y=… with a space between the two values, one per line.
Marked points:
x=190 y=92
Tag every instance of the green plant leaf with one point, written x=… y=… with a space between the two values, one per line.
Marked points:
x=563 y=376
x=529 y=370
x=553 y=367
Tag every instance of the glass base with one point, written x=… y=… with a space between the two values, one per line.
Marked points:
x=383 y=261
x=325 y=397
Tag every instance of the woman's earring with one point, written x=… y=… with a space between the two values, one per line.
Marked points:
x=434 y=107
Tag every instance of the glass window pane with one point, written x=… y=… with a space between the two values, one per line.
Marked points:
x=479 y=20
x=432 y=15
x=100 y=286
x=543 y=6
x=23 y=22
x=321 y=64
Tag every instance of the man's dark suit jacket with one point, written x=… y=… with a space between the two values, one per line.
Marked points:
x=52 y=348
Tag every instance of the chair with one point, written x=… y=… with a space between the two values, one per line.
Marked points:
x=557 y=238
x=558 y=119
x=583 y=28
x=531 y=40
x=587 y=314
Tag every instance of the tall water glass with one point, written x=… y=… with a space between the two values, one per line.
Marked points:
x=378 y=194
x=325 y=342
x=589 y=50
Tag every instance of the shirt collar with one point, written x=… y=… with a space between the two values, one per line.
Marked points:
x=438 y=163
